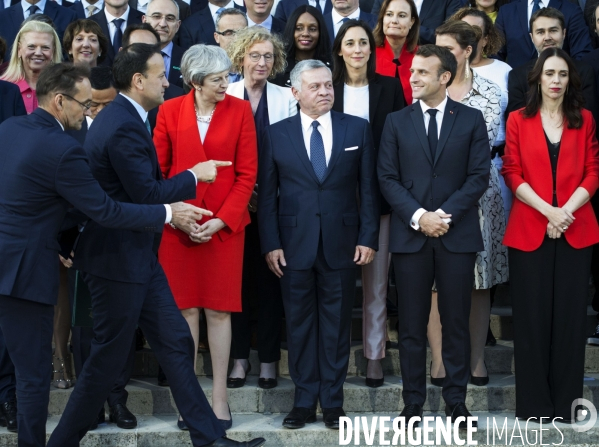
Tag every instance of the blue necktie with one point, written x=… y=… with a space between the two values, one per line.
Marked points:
x=118 y=35
x=33 y=9
x=536 y=5
x=218 y=11
x=433 y=137
x=344 y=19
x=147 y=123
x=317 y=155
x=318 y=5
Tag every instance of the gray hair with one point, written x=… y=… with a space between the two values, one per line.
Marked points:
x=174 y=2
x=231 y=12
x=201 y=61
x=296 y=73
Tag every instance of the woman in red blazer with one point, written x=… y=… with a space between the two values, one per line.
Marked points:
x=551 y=164
x=204 y=269
x=396 y=37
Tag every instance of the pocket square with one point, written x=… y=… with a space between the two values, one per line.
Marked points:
x=353 y=148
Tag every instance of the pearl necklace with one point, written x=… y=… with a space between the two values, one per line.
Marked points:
x=204 y=119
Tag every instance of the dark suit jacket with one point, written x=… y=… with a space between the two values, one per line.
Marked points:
x=385 y=96
x=286 y=7
x=328 y=20
x=40 y=174
x=11 y=19
x=80 y=134
x=11 y=102
x=184 y=9
x=198 y=5
x=174 y=74
x=295 y=210
x=432 y=14
x=134 y=17
x=518 y=87
x=123 y=159
x=172 y=91
x=78 y=8
x=512 y=22
x=278 y=26
x=454 y=182
x=199 y=28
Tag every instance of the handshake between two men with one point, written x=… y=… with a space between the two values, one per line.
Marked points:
x=185 y=216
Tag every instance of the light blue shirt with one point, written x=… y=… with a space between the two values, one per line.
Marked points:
x=41 y=5
x=167 y=56
x=266 y=24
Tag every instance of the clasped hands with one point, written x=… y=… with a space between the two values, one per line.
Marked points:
x=432 y=225
x=559 y=221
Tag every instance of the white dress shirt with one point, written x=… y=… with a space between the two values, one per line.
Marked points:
x=41 y=5
x=321 y=2
x=266 y=24
x=112 y=26
x=325 y=127
x=142 y=5
x=418 y=4
x=99 y=4
x=214 y=8
x=338 y=18
x=542 y=4
x=356 y=101
x=427 y=118
x=7 y=3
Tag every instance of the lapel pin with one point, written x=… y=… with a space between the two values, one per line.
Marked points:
x=451 y=112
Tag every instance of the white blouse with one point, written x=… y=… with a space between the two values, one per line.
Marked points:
x=356 y=101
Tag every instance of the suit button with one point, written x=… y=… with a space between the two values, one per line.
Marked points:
x=434 y=175
x=318 y=214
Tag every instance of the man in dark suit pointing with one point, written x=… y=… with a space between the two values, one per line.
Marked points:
x=314 y=234
x=433 y=167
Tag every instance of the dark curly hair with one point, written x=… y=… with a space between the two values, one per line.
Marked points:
x=494 y=38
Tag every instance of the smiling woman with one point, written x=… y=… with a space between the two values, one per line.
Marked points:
x=85 y=42
x=36 y=46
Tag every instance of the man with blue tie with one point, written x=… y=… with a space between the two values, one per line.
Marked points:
x=11 y=18
x=314 y=234
x=513 y=21
x=344 y=10
x=200 y=27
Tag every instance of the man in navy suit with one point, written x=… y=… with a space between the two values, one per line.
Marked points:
x=87 y=8
x=433 y=167
x=163 y=15
x=184 y=9
x=513 y=21
x=432 y=14
x=37 y=187
x=342 y=11
x=314 y=234
x=286 y=7
x=11 y=18
x=121 y=269
x=11 y=103
x=199 y=27
x=115 y=12
x=258 y=14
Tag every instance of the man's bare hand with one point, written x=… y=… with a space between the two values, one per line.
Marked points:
x=68 y=263
x=273 y=259
x=206 y=171
x=185 y=216
x=431 y=224
x=364 y=255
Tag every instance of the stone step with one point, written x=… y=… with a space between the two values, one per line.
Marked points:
x=161 y=431
x=499 y=359
x=146 y=397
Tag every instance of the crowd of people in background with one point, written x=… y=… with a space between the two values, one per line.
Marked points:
x=407 y=140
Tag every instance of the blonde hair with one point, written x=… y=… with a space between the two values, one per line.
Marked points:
x=15 y=71
x=248 y=37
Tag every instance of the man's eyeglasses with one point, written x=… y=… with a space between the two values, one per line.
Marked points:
x=169 y=18
x=255 y=57
x=227 y=32
x=85 y=106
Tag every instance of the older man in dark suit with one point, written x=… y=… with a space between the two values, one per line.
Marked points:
x=433 y=167
x=314 y=234
x=344 y=10
x=199 y=27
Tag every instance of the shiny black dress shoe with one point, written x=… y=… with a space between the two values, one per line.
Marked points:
x=181 y=424
x=227 y=424
x=8 y=415
x=436 y=381
x=123 y=418
x=162 y=380
x=237 y=382
x=99 y=420
x=267 y=384
x=411 y=411
x=299 y=417
x=374 y=383
x=331 y=416
x=458 y=410
x=226 y=442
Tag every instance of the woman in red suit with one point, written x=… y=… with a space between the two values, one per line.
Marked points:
x=551 y=164
x=396 y=37
x=204 y=268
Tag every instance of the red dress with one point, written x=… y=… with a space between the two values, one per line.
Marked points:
x=209 y=274
x=386 y=67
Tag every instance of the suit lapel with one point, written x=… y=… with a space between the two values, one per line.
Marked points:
x=426 y=6
x=17 y=16
x=297 y=141
x=446 y=126
x=418 y=121
x=338 y=123
x=328 y=19
x=522 y=13
x=51 y=10
x=375 y=90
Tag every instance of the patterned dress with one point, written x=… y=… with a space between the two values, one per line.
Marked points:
x=491 y=266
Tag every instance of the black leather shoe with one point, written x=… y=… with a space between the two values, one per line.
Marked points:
x=411 y=411
x=299 y=417
x=123 y=417
x=8 y=415
x=267 y=384
x=181 y=424
x=458 y=410
x=238 y=382
x=226 y=442
x=162 y=380
x=374 y=383
x=331 y=416
x=479 y=381
x=436 y=381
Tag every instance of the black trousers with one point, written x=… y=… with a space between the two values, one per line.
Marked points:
x=549 y=288
x=81 y=342
x=260 y=291
x=8 y=381
x=118 y=307
x=414 y=276
x=27 y=328
x=318 y=308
